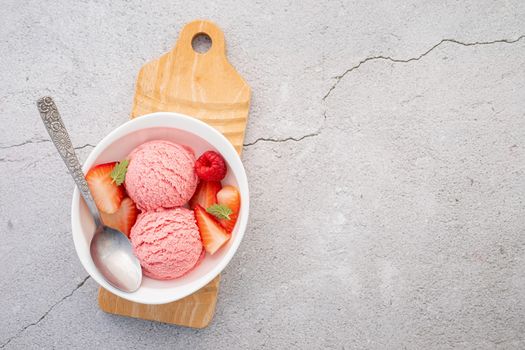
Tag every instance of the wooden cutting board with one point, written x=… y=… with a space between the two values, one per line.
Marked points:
x=207 y=87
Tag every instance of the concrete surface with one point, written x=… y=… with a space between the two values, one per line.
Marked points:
x=385 y=152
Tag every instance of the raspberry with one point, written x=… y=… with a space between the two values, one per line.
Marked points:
x=210 y=166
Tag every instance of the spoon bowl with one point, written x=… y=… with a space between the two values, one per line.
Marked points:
x=112 y=254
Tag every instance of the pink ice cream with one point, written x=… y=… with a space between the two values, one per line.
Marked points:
x=161 y=174
x=167 y=242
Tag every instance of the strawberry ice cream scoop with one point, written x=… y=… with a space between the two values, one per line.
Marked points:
x=161 y=174
x=166 y=242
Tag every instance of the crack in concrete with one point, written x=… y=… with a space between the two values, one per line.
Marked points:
x=291 y=138
x=31 y=141
x=25 y=143
x=7 y=160
x=399 y=60
x=296 y=139
x=84 y=146
x=44 y=315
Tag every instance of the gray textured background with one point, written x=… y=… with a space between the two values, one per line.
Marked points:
x=385 y=152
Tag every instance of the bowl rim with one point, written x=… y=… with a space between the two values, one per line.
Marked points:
x=187 y=124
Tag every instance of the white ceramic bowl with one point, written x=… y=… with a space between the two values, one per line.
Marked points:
x=116 y=146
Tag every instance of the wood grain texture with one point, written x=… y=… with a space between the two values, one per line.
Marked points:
x=207 y=87
x=204 y=86
x=194 y=311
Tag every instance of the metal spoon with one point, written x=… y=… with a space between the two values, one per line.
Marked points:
x=110 y=249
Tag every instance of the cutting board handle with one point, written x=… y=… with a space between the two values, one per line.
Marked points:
x=184 y=49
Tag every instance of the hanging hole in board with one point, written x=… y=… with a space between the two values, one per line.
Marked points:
x=201 y=43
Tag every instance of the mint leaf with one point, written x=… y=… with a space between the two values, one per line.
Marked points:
x=220 y=211
x=118 y=174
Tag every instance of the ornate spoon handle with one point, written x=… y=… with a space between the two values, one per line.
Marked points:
x=56 y=129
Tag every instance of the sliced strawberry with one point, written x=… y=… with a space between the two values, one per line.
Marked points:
x=106 y=193
x=230 y=197
x=124 y=218
x=213 y=234
x=206 y=194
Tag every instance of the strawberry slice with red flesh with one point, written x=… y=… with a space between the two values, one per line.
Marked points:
x=206 y=194
x=213 y=235
x=229 y=196
x=106 y=193
x=124 y=218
